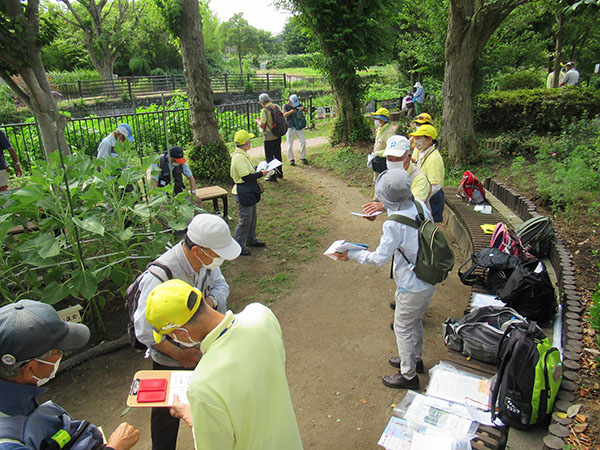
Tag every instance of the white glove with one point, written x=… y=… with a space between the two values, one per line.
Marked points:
x=370 y=160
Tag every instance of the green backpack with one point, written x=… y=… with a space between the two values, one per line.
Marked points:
x=435 y=258
x=537 y=235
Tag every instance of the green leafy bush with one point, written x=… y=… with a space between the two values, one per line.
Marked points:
x=286 y=61
x=210 y=163
x=526 y=79
x=542 y=110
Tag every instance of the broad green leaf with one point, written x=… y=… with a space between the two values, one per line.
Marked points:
x=91 y=224
x=142 y=211
x=46 y=245
x=54 y=293
x=179 y=224
x=85 y=283
x=126 y=234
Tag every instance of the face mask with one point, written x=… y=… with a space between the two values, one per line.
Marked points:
x=378 y=123
x=42 y=381
x=216 y=262
x=190 y=343
x=395 y=164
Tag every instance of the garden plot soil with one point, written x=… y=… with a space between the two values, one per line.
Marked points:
x=335 y=323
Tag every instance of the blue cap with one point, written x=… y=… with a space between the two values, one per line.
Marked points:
x=294 y=100
x=126 y=131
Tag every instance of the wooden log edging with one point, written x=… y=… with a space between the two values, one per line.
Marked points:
x=571 y=314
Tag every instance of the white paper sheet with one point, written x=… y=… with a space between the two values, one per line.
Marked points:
x=458 y=387
x=375 y=214
x=342 y=246
x=179 y=385
x=480 y=300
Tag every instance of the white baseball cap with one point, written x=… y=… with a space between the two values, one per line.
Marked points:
x=210 y=231
x=396 y=146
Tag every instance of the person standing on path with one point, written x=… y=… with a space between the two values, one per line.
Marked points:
x=412 y=294
x=293 y=112
x=196 y=261
x=238 y=394
x=272 y=142
x=385 y=130
x=572 y=75
x=246 y=191
x=6 y=145
x=430 y=161
x=418 y=97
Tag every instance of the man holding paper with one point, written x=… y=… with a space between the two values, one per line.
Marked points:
x=246 y=190
x=238 y=394
x=413 y=295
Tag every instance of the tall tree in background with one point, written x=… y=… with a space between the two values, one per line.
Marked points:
x=22 y=35
x=470 y=25
x=242 y=37
x=107 y=27
x=209 y=155
x=350 y=35
x=295 y=40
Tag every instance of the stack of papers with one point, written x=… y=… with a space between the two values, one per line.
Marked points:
x=342 y=246
x=271 y=165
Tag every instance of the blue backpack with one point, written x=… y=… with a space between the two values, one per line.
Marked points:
x=50 y=426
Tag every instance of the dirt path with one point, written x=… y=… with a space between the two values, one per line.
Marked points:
x=335 y=324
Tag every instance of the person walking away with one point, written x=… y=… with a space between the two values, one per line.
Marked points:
x=412 y=294
x=6 y=145
x=293 y=111
x=272 y=142
x=247 y=192
x=430 y=161
x=195 y=260
x=418 y=97
x=238 y=394
x=171 y=168
x=32 y=341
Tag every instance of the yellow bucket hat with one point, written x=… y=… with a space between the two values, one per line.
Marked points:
x=170 y=306
x=382 y=114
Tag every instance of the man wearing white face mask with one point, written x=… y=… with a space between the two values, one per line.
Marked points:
x=196 y=261
x=385 y=130
x=32 y=340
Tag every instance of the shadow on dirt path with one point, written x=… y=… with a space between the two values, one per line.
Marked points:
x=335 y=323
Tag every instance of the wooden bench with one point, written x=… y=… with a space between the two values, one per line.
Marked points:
x=214 y=193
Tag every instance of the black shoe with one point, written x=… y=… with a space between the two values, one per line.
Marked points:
x=395 y=362
x=393 y=305
x=292 y=162
x=256 y=243
x=245 y=252
x=272 y=179
x=305 y=161
x=397 y=381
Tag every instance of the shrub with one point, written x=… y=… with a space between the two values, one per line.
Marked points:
x=210 y=163
x=526 y=79
x=286 y=61
x=542 y=110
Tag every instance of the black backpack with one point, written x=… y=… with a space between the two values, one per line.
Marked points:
x=132 y=297
x=528 y=378
x=529 y=291
x=479 y=332
x=279 y=123
x=537 y=235
x=490 y=268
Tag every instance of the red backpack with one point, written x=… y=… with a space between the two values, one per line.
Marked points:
x=471 y=189
x=505 y=239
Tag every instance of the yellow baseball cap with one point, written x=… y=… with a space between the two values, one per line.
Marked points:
x=242 y=136
x=425 y=130
x=423 y=118
x=381 y=113
x=171 y=305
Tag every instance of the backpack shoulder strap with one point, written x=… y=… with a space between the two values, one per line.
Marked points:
x=165 y=269
x=414 y=223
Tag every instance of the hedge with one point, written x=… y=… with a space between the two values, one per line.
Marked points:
x=541 y=110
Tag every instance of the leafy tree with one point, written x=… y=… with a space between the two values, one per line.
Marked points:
x=22 y=35
x=295 y=39
x=269 y=43
x=345 y=34
x=470 y=25
x=107 y=27
x=242 y=37
x=209 y=156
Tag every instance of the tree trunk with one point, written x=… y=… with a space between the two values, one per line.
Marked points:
x=200 y=96
x=240 y=61
x=558 y=52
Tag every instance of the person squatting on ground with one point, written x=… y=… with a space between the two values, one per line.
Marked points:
x=430 y=161
x=171 y=168
x=412 y=294
x=6 y=145
x=385 y=130
x=246 y=190
x=32 y=341
x=196 y=261
x=293 y=111
x=238 y=394
x=272 y=143
x=109 y=143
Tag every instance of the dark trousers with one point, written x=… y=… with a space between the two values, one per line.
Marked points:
x=272 y=151
x=163 y=426
x=437 y=206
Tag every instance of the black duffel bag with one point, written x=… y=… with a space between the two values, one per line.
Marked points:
x=248 y=193
x=496 y=267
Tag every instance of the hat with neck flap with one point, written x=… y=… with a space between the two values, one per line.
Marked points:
x=393 y=189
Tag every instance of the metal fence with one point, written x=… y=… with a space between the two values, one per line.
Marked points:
x=153 y=131
x=127 y=87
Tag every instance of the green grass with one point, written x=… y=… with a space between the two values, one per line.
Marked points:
x=300 y=71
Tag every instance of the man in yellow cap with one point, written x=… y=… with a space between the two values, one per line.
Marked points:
x=246 y=191
x=238 y=394
x=430 y=161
